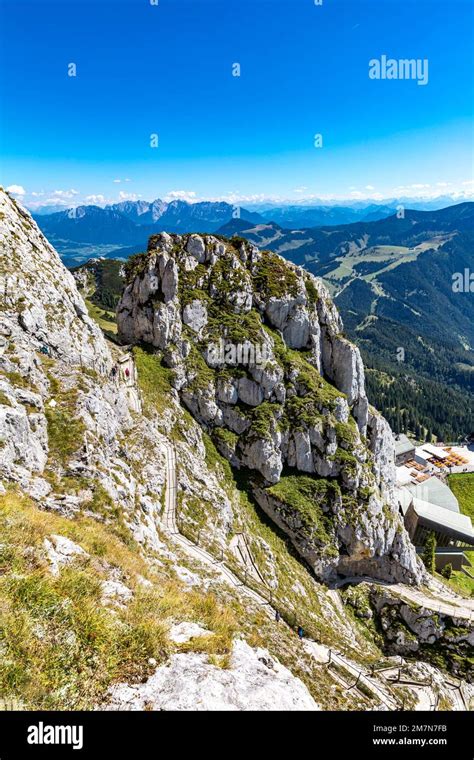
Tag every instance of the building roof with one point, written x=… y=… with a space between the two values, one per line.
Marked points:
x=454 y=524
x=404 y=475
x=434 y=491
x=434 y=451
x=422 y=456
x=403 y=445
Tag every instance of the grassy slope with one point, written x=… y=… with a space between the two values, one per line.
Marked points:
x=462 y=485
x=61 y=648
x=104 y=318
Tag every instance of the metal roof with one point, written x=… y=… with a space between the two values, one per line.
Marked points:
x=436 y=492
x=445 y=520
x=403 y=445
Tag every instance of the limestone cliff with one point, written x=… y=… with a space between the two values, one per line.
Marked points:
x=258 y=357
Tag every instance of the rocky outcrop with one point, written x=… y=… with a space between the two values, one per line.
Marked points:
x=61 y=551
x=253 y=681
x=62 y=412
x=411 y=629
x=42 y=294
x=259 y=359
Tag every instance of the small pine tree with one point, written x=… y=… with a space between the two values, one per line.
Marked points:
x=429 y=553
x=447 y=571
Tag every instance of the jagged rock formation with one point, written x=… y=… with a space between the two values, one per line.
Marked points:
x=73 y=444
x=258 y=357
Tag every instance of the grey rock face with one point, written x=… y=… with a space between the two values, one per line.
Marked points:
x=290 y=316
x=62 y=551
x=412 y=629
x=196 y=248
x=382 y=445
x=66 y=359
x=280 y=408
x=195 y=315
x=254 y=681
x=249 y=392
x=264 y=456
x=293 y=524
x=40 y=294
x=299 y=451
x=169 y=283
x=227 y=391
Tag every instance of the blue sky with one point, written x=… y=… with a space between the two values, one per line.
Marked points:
x=167 y=69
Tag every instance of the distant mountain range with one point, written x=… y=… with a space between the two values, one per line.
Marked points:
x=121 y=229
x=85 y=231
x=391 y=277
x=316 y=216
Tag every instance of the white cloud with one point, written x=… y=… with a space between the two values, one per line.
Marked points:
x=117 y=180
x=16 y=190
x=181 y=195
x=95 y=200
x=129 y=196
x=236 y=197
x=369 y=187
x=65 y=193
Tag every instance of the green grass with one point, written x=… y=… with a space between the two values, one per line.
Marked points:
x=234 y=328
x=65 y=430
x=61 y=647
x=459 y=582
x=462 y=486
x=225 y=436
x=154 y=379
x=17 y=380
x=201 y=375
x=216 y=461
x=264 y=419
x=105 y=319
x=274 y=277
x=135 y=265
x=307 y=495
